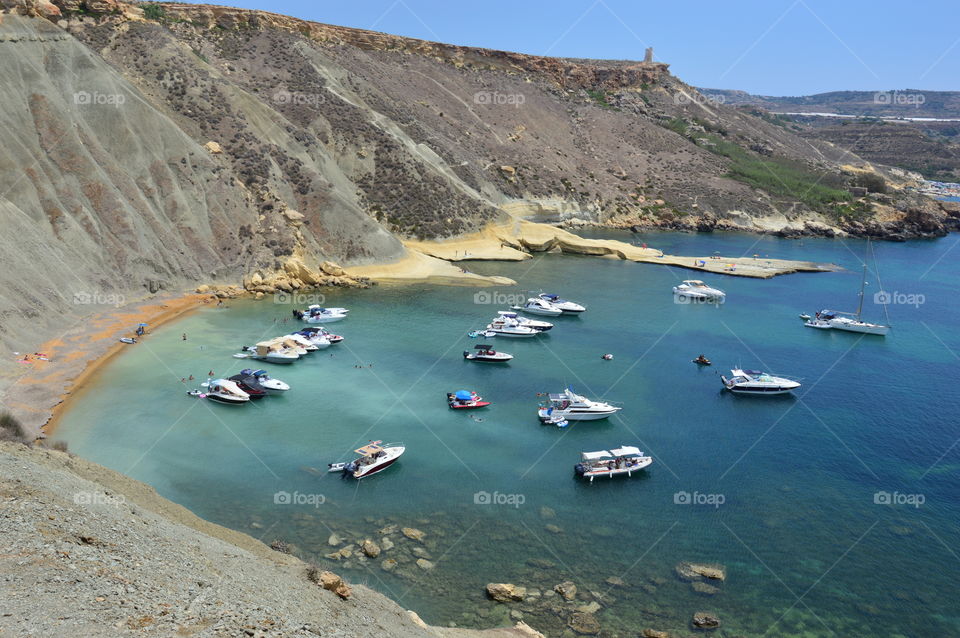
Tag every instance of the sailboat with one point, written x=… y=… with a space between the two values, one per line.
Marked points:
x=850 y=321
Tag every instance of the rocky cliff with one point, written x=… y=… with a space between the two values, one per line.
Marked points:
x=162 y=146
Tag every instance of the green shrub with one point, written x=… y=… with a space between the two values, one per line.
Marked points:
x=11 y=429
x=153 y=11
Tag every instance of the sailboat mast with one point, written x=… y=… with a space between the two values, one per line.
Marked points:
x=863 y=284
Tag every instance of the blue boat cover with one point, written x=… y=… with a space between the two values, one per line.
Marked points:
x=463 y=395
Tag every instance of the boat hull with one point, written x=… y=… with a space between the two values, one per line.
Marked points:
x=867 y=329
x=226 y=400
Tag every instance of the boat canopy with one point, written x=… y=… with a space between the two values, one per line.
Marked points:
x=507 y=313
x=558 y=397
x=626 y=450
x=370 y=449
x=594 y=456
x=482 y=346
x=463 y=395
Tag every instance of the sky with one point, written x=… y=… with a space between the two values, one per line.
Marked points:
x=767 y=47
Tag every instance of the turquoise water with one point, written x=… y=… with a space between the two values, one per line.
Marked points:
x=807 y=549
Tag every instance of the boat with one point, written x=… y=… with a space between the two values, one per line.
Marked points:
x=805 y=316
x=307 y=344
x=536 y=324
x=574 y=407
x=224 y=391
x=850 y=321
x=551 y=417
x=320 y=331
x=696 y=290
x=625 y=459
x=566 y=307
x=249 y=384
x=702 y=361
x=127 y=340
x=507 y=327
x=271 y=351
x=465 y=400
x=756 y=382
x=374 y=457
x=485 y=352
x=537 y=306
x=317 y=314
x=268 y=383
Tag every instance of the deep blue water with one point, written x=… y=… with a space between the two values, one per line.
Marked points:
x=807 y=548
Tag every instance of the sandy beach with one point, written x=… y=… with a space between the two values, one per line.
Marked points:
x=36 y=392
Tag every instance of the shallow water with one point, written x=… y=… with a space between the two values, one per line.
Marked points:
x=805 y=545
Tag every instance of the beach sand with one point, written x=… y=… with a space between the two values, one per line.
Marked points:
x=419 y=267
x=36 y=392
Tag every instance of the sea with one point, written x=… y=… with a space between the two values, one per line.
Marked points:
x=832 y=511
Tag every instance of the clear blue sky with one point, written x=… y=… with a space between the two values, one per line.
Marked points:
x=770 y=47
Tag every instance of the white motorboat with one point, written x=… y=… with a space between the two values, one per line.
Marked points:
x=306 y=343
x=537 y=306
x=223 y=391
x=317 y=314
x=696 y=290
x=318 y=340
x=484 y=352
x=507 y=327
x=319 y=331
x=566 y=307
x=536 y=324
x=756 y=382
x=625 y=459
x=272 y=351
x=574 y=407
x=374 y=457
x=268 y=383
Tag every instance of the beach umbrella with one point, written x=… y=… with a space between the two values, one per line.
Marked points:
x=143 y=325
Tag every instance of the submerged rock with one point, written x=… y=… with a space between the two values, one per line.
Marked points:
x=334 y=540
x=370 y=548
x=566 y=589
x=583 y=623
x=704 y=588
x=704 y=620
x=423 y=563
x=653 y=633
x=696 y=571
x=615 y=581
x=388 y=565
x=414 y=534
x=505 y=592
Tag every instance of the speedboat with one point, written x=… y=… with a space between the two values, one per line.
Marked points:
x=271 y=351
x=507 y=327
x=565 y=306
x=465 y=400
x=268 y=383
x=224 y=391
x=550 y=417
x=249 y=384
x=484 y=352
x=625 y=459
x=537 y=306
x=756 y=382
x=539 y=326
x=307 y=344
x=320 y=331
x=374 y=457
x=570 y=405
x=316 y=314
x=696 y=290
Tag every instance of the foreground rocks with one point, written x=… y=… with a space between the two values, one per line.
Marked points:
x=505 y=592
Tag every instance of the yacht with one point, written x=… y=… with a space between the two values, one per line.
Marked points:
x=507 y=327
x=374 y=457
x=268 y=383
x=696 y=290
x=625 y=459
x=223 y=391
x=537 y=306
x=316 y=314
x=465 y=400
x=539 y=326
x=319 y=331
x=756 y=382
x=565 y=306
x=850 y=321
x=270 y=351
x=484 y=352
x=304 y=342
x=573 y=407
x=250 y=385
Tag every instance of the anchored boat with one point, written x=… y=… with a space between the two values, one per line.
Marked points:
x=374 y=457
x=756 y=382
x=571 y=406
x=465 y=400
x=625 y=459
x=485 y=352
